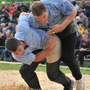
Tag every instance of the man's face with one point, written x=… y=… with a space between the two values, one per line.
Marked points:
x=19 y=51
x=9 y=25
x=81 y=14
x=84 y=37
x=8 y=33
x=43 y=17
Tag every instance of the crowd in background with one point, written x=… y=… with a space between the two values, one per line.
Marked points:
x=9 y=20
x=83 y=33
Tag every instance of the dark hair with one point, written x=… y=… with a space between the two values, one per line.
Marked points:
x=12 y=44
x=37 y=8
x=74 y=3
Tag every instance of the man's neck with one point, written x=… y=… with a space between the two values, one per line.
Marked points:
x=24 y=44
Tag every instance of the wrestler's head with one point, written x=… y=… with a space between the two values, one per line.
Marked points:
x=15 y=46
x=40 y=11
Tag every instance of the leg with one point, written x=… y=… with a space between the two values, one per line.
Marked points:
x=2 y=54
x=68 y=57
x=53 y=64
x=30 y=77
x=56 y=75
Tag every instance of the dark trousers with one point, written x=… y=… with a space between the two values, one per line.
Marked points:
x=28 y=71
x=68 y=56
x=28 y=74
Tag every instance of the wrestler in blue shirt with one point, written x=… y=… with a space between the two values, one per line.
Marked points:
x=34 y=38
x=25 y=48
x=58 y=10
x=57 y=16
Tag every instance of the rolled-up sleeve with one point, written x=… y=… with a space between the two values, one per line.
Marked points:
x=26 y=59
x=65 y=7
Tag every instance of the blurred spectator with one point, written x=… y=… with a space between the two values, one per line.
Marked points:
x=7 y=53
x=78 y=20
x=84 y=19
x=87 y=7
x=84 y=46
x=23 y=8
x=11 y=9
x=78 y=40
x=83 y=3
x=2 y=44
x=18 y=3
x=4 y=31
x=4 y=16
x=88 y=13
x=81 y=28
x=4 y=6
x=15 y=15
x=86 y=32
x=11 y=27
x=9 y=34
x=3 y=25
x=82 y=9
x=77 y=44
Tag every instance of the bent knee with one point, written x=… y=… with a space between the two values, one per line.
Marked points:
x=52 y=77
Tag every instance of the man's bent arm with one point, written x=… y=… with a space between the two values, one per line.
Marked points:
x=69 y=18
x=41 y=55
x=64 y=24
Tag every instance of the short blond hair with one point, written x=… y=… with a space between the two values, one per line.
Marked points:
x=4 y=29
x=2 y=23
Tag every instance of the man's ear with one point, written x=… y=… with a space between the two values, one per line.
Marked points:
x=20 y=42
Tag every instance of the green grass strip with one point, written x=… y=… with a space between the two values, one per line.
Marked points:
x=9 y=66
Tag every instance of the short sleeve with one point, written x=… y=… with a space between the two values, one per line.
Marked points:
x=65 y=7
x=26 y=59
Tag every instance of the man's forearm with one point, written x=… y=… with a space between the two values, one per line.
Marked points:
x=46 y=51
x=69 y=18
x=64 y=24
x=41 y=55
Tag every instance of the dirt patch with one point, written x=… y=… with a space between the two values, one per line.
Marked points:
x=11 y=80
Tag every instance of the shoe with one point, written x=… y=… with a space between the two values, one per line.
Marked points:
x=70 y=87
x=80 y=84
